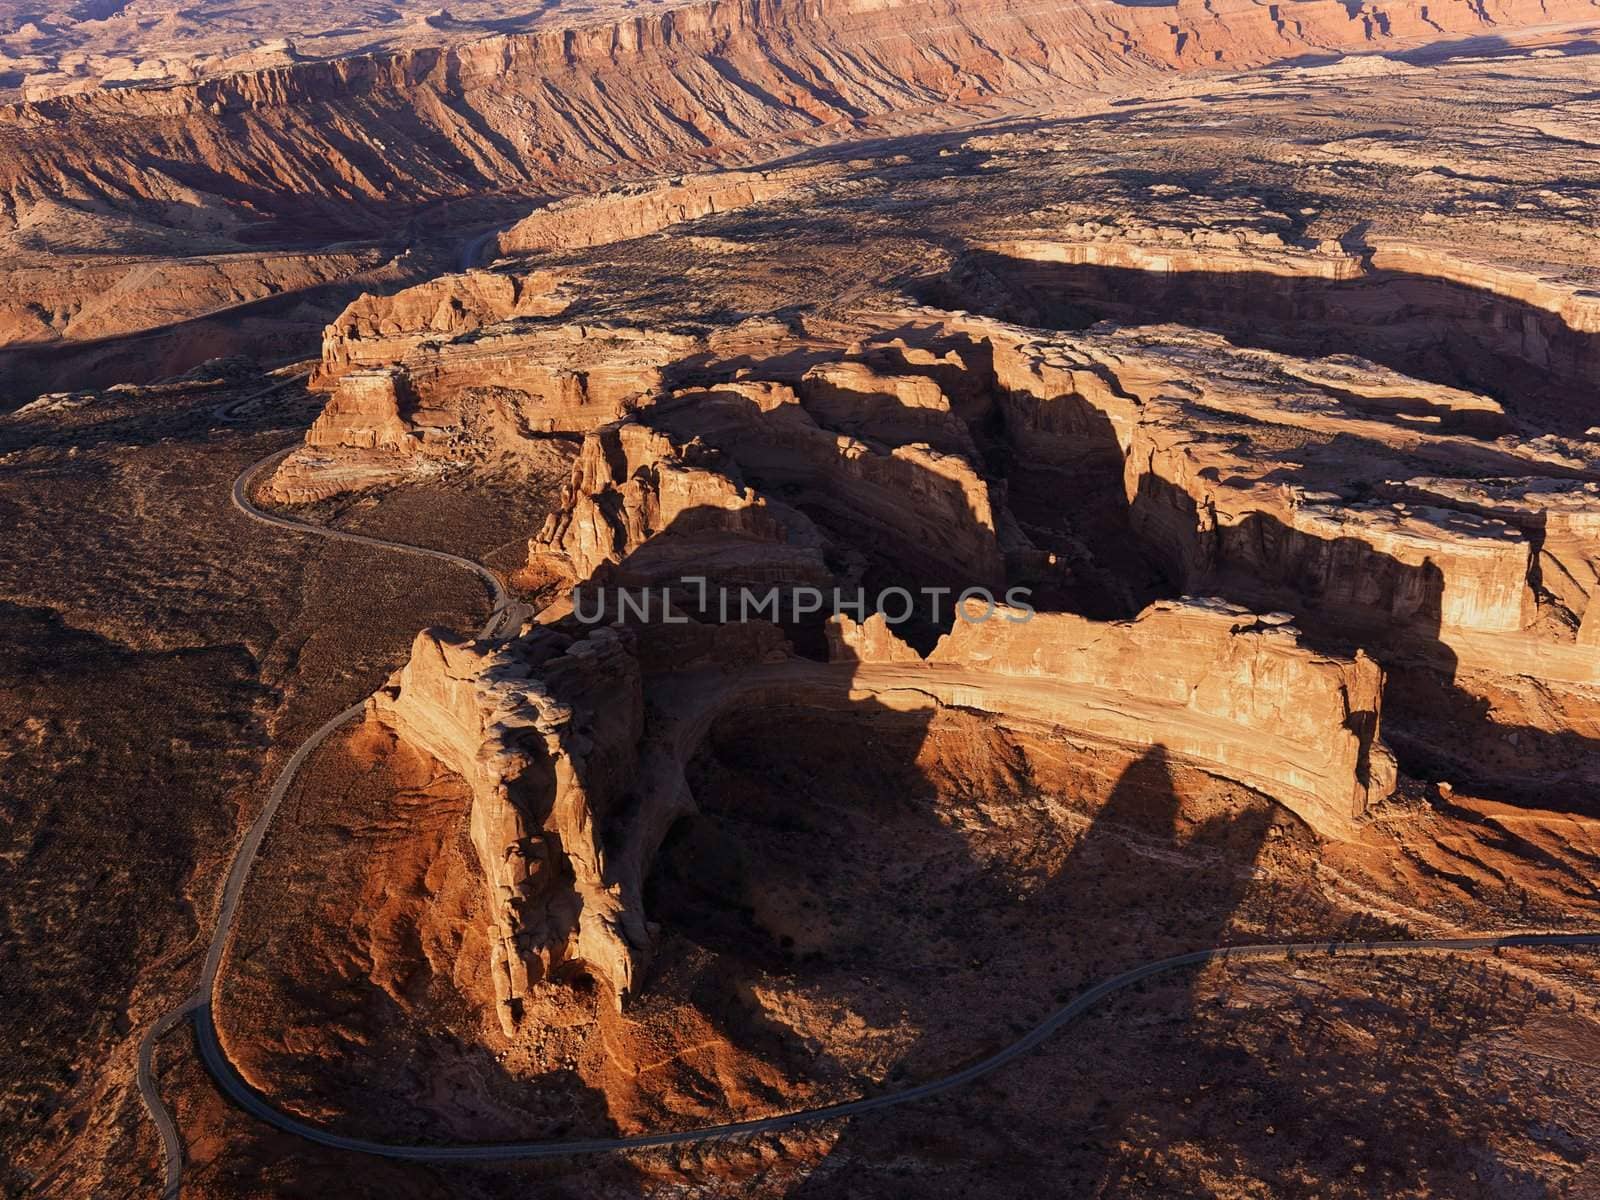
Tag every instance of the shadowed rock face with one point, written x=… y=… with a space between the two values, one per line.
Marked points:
x=1212 y=684
x=1280 y=484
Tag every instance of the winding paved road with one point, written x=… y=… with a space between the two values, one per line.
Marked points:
x=227 y=1078
x=471 y=254
x=506 y=616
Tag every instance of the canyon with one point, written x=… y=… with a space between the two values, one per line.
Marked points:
x=628 y=572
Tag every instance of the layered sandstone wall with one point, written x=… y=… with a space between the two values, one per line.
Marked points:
x=553 y=728
x=552 y=108
x=1203 y=505
x=1286 y=481
x=379 y=330
x=637 y=210
x=911 y=498
x=546 y=738
x=480 y=398
x=858 y=398
x=638 y=511
x=1208 y=681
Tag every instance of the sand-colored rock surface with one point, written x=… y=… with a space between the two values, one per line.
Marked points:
x=1207 y=682
x=639 y=511
x=640 y=209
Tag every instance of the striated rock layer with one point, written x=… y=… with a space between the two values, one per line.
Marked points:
x=545 y=737
x=549 y=732
x=532 y=110
x=1333 y=539
x=636 y=210
x=1208 y=681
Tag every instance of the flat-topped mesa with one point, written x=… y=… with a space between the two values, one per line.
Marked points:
x=1211 y=682
x=1559 y=518
x=1179 y=249
x=544 y=378
x=640 y=510
x=545 y=733
x=1286 y=484
x=639 y=209
x=1209 y=505
x=477 y=399
x=1061 y=407
x=1280 y=481
x=376 y=331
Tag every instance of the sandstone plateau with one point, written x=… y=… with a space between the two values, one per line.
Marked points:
x=587 y=583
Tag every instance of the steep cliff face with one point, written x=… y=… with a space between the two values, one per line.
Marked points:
x=640 y=511
x=1206 y=680
x=905 y=497
x=1372 y=561
x=547 y=757
x=379 y=330
x=936 y=449
x=104 y=299
x=546 y=109
x=1282 y=480
x=1559 y=519
x=479 y=397
x=636 y=210
x=858 y=398
x=552 y=729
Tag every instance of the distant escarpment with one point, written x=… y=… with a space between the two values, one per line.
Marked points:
x=543 y=111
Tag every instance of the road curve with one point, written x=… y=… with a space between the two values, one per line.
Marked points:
x=228 y=413
x=507 y=614
x=228 y=1080
x=241 y=1093
x=471 y=254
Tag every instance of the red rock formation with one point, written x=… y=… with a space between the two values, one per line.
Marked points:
x=97 y=299
x=857 y=398
x=478 y=398
x=922 y=501
x=377 y=331
x=1208 y=681
x=547 y=757
x=532 y=110
x=638 y=511
x=636 y=210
